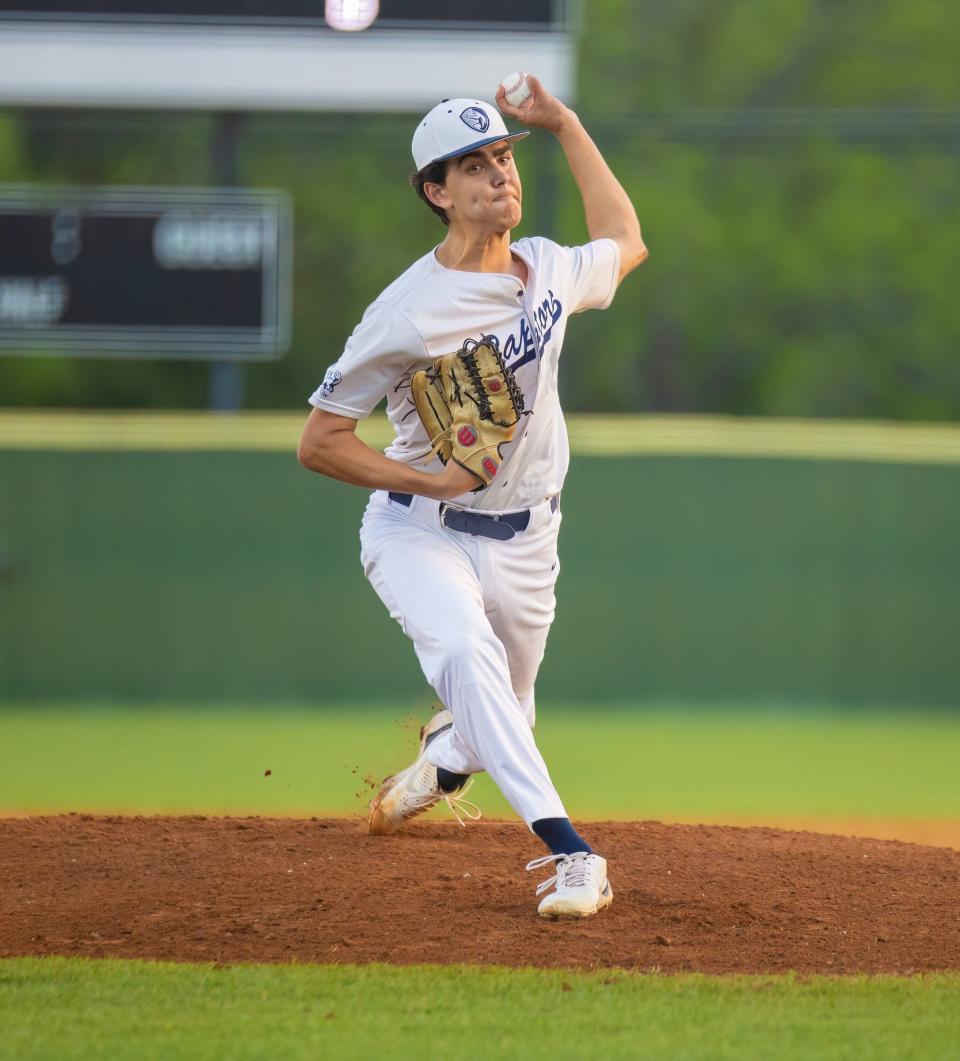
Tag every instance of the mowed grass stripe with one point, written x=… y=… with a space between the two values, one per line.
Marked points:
x=629 y=761
x=79 y=1008
x=590 y=435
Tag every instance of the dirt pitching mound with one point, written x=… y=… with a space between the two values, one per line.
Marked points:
x=716 y=899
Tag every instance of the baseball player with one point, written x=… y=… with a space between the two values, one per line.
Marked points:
x=465 y=564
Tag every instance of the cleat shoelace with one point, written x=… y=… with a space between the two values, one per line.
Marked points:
x=460 y=808
x=572 y=870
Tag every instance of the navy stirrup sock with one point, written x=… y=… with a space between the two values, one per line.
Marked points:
x=560 y=836
x=449 y=781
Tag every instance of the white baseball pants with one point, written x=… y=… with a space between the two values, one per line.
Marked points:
x=478 y=612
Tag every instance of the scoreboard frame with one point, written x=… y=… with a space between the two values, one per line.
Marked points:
x=267 y=340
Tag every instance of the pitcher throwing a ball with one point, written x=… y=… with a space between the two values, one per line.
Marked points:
x=459 y=538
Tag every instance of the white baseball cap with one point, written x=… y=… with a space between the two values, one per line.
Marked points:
x=456 y=127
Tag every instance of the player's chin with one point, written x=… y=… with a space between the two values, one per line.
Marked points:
x=508 y=212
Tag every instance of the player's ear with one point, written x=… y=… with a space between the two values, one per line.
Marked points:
x=437 y=194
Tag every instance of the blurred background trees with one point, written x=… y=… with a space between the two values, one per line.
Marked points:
x=796 y=168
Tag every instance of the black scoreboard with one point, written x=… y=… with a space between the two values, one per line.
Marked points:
x=145 y=272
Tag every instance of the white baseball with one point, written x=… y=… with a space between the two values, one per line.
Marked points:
x=517 y=89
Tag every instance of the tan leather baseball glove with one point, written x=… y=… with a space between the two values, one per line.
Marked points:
x=470 y=405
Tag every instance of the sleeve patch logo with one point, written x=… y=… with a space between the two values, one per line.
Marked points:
x=476 y=118
x=330 y=380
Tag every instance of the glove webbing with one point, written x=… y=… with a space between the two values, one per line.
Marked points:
x=468 y=356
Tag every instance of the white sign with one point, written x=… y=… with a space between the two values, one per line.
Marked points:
x=231 y=68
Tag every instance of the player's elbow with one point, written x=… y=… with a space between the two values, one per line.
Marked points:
x=308 y=455
x=633 y=252
x=323 y=434
x=310 y=449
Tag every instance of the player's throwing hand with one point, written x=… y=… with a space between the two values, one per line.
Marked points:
x=541 y=109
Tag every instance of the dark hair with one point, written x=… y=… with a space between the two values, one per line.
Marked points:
x=432 y=173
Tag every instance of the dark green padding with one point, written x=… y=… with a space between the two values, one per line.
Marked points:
x=235 y=577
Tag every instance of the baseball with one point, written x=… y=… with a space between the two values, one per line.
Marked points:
x=516 y=88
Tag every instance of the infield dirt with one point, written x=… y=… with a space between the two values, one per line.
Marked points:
x=714 y=899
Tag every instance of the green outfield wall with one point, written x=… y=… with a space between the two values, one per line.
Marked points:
x=211 y=574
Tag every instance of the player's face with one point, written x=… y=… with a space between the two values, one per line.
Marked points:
x=483 y=188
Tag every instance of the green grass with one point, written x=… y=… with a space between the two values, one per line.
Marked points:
x=77 y=1008
x=617 y=762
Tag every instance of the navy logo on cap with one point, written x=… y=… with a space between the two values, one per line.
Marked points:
x=476 y=118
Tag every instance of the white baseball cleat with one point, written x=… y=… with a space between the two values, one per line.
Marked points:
x=582 y=886
x=416 y=789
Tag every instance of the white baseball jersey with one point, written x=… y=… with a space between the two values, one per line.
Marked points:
x=431 y=310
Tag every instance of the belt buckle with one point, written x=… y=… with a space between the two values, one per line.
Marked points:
x=478 y=518
x=445 y=509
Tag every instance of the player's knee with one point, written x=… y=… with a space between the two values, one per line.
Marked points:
x=527 y=706
x=466 y=650
x=457 y=649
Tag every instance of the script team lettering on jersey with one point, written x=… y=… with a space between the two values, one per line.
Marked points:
x=523 y=346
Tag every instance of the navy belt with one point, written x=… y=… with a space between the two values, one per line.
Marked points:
x=485 y=525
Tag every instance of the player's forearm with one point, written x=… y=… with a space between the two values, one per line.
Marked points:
x=607 y=207
x=336 y=452
x=341 y=455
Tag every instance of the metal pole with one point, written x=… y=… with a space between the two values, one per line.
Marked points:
x=225 y=381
